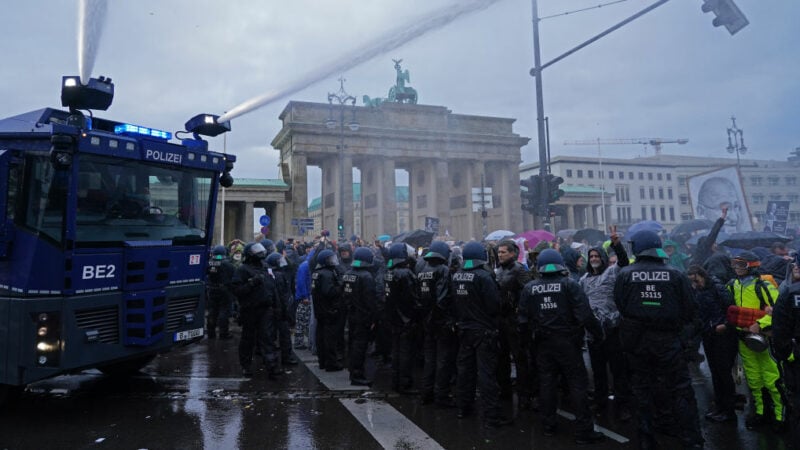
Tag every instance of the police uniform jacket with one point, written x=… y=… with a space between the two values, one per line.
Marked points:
x=360 y=295
x=326 y=290
x=434 y=288
x=402 y=296
x=786 y=324
x=220 y=275
x=476 y=299
x=254 y=287
x=654 y=295
x=556 y=305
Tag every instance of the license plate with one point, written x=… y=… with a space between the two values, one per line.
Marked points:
x=188 y=334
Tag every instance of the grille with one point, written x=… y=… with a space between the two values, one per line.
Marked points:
x=104 y=320
x=176 y=308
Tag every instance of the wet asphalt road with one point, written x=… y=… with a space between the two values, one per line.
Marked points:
x=195 y=398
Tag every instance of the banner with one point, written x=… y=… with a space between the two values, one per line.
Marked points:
x=776 y=216
x=710 y=191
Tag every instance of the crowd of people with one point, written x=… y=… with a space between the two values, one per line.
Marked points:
x=641 y=309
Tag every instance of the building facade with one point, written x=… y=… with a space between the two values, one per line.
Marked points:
x=656 y=188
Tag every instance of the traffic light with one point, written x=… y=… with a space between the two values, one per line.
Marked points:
x=340 y=225
x=727 y=14
x=554 y=191
x=530 y=193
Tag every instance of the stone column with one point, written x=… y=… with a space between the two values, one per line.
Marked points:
x=387 y=200
x=571 y=217
x=247 y=222
x=347 y=195
x=298 y=193
x=441 y=195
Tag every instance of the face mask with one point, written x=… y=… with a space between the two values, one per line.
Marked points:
x=237 y=257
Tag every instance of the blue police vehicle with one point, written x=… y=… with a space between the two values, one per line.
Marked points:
x=104 y=234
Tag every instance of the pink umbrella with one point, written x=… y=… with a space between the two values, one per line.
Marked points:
x=535 y=236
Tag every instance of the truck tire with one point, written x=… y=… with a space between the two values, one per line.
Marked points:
x=128 y=367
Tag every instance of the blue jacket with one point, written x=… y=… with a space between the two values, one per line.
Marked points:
x=303 y=280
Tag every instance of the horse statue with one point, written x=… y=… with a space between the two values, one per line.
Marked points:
x=400 y=93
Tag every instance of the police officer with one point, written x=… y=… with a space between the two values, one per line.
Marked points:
x=220 y=298
x=477 y=304
x=786 y=343
x=557 y=312
x=438 y=319
x=258 y=301
x=655 y=302
x=511 y=278
x=403 y=314
x=326 y=290
x=361 y=297
x=277 y=264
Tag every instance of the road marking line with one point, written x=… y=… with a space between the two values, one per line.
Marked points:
x=388 y=426
x=610 y=434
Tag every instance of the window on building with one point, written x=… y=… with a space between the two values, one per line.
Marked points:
x=621 y=175
x=773 y=181
x=755 y=181
x=590 y=173
x=671 y=214
x=661 y=193
x=580 y=173
x=641 y=193
x=775 y=196
x=659 y=176
x=610 y=174
x=653 y=213
x=641 y=175
x=686 y=216
x=791 y=181
x=669 y=177
x=684 y=199
x=681 y=180
x=569 y=173
x=663 y=212
x=652 y=195
x=650 y=176
x=644 y=213
x=758 y=198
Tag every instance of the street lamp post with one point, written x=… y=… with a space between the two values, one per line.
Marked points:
x=342 y=98
x=736 y=142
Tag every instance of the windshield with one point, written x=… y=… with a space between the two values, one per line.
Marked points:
x=123 y=200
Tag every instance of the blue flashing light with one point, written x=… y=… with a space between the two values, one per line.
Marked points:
x=128 y=128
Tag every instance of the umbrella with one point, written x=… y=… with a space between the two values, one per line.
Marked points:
x=534 y=236
x=498 y=235
x=384 y=238
x=416 y=238
x=694 y=240
x=649 y=225
x=691 y=226
x=750 y=239
x=566 y=233
x=590 y=235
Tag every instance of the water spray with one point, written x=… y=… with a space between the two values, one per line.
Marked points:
x=91 y=17
x=393 y=39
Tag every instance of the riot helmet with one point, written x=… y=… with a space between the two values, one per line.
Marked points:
x=276 y=260
x=474 y=255
x=398 y=254
x=219 y=252
x=647 y=243
x=550 y=261
x=254 y=253
x=363 y=257
x=327 y=258
x=440 y=250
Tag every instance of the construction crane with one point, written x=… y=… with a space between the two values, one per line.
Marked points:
x=656 y=143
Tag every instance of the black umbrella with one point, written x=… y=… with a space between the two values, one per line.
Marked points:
x=590 y=235
x=750 y=239
x=416 y=238
x=690 y=226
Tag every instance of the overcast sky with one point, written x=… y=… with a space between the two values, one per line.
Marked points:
x=670 y=74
